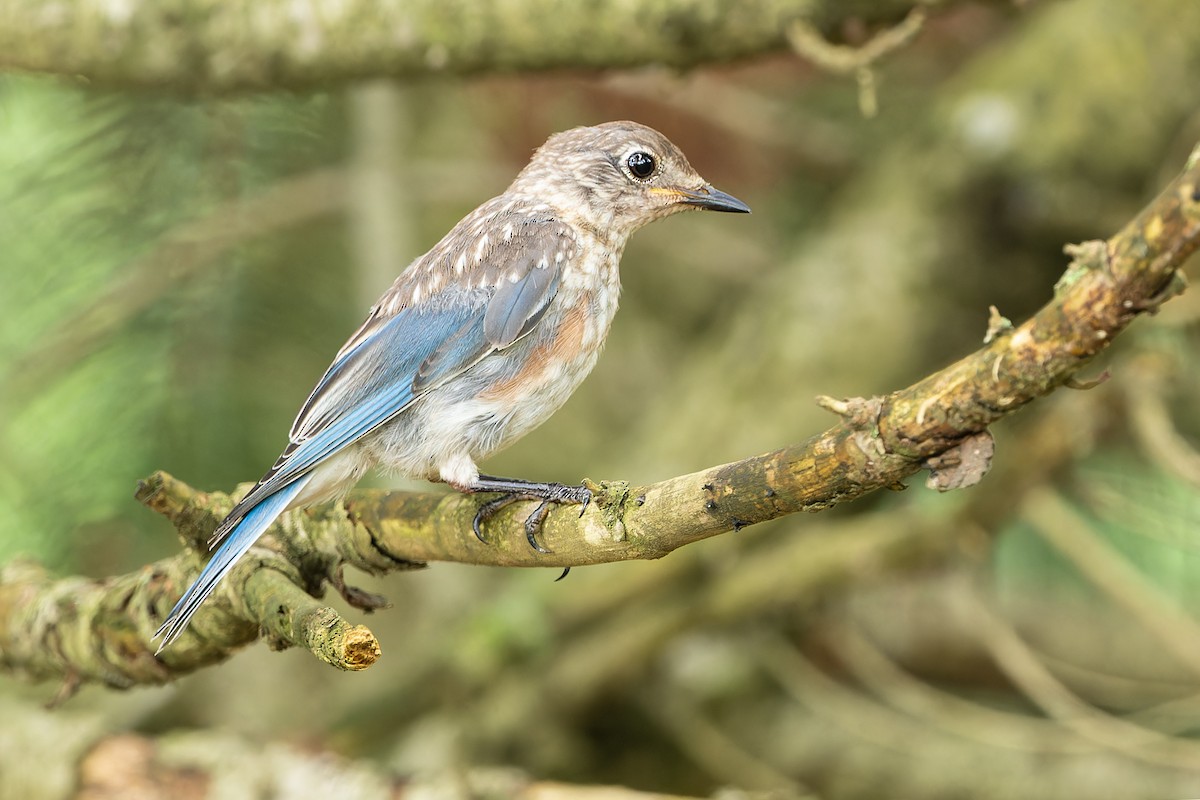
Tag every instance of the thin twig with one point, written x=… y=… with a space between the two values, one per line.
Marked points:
x=859 y=61
x=943 y=710
x=1160 y=440
x=1064 y=529
x=709 y=747
x=1029 y=674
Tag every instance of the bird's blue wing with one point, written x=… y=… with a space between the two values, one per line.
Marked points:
x=400 y=353
x=523 y=293
x=373 y=382
x=364 y=388
x=394 y=359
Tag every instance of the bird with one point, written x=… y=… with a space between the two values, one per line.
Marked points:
x=477 y=342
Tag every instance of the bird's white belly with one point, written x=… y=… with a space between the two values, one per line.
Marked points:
x=495 y=402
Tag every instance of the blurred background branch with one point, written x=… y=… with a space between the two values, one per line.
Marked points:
x=274 y=44
x=181 y=252
x=72 y=749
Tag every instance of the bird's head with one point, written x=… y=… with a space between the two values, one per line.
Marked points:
x=617 y=177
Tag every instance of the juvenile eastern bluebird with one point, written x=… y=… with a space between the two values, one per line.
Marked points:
x=478 y=341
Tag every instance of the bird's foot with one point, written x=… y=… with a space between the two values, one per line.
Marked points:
x=517 y=490
x=354 y=596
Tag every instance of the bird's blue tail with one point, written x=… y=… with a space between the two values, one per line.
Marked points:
x=239 y=539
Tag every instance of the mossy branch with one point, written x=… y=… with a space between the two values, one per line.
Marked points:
x=81 y=630
x=215 y=46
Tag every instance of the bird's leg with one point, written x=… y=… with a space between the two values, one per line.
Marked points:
x=514 y=490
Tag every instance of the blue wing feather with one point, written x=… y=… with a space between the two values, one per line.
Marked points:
x=383 y=368
x=386 y=365
x=518 y=305
x=244 y=534
x=372 y=383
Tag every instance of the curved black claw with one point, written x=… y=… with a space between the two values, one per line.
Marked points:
x=489 y=509
x=533 y=524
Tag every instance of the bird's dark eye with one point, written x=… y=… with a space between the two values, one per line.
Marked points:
x=641 y=165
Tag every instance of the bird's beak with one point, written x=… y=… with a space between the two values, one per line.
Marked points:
x=711 y=199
